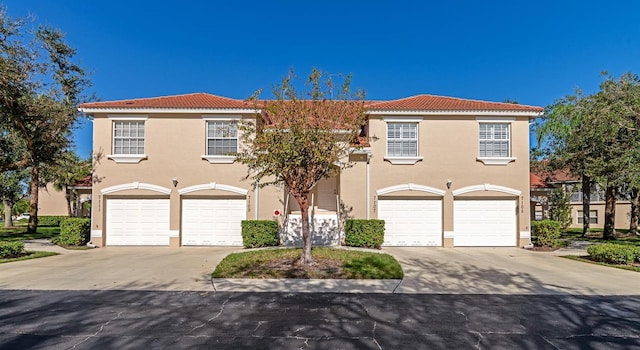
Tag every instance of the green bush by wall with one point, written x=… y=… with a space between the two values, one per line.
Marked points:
x=547 y=233
x=364 y=233
x=259 y=233
x=74 y=231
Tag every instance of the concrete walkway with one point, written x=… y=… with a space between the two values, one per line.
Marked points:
x=427 y=271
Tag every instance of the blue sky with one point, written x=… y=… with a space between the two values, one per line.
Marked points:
x=530 y=51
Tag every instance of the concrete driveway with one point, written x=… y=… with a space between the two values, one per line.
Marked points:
x=507 y=271
x=117 y=268
x=427 y=271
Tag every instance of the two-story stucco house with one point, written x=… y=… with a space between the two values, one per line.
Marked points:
x=440 y=171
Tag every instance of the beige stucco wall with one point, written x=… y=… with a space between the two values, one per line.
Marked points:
x=449 y=147
x=51 y=202
x=174 y=145
x=623 y=214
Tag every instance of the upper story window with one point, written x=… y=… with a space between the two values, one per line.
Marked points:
x=222 y=138
x=402 y=140
x=128 y=139
x=494 y=142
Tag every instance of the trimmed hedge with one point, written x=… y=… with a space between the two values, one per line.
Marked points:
x=364 y=233
x=50 y=220
x=259 y=233
x=547 y=233
x=11 y=249
x=74 y=231
x=612 y=253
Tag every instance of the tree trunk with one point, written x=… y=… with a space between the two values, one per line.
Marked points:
x=635 y=199
x=305 y=258
x=67 y=195
x=33 y=201
x=610 y=212
x=586 y=201
x=8 y=210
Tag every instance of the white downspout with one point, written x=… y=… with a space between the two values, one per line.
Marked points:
x=367 y=184
x=257 y=200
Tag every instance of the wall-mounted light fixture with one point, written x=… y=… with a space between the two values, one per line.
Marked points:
x=449 y=182
x=174 y=181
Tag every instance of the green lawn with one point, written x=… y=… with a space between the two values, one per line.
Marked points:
x=20 y=233
x=583 y=259
x=575 y=234
x=27 y=256
x=330 y=263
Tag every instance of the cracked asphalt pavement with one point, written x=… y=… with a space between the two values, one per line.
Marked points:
x=225 y=320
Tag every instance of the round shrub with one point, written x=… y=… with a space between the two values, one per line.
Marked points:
x=74 y=231
x=11 y=249
x=612 y=253
x=547 y=233
x=259 y=233
x=364 y=233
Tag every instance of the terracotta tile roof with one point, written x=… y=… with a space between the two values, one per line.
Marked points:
x=442 y=103
x=536 y=181
x=554 y=176
x=414 y=103
x=86 y=181
x=196 y=101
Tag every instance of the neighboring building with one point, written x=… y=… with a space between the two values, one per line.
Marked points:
x=52 y=202
x=543 y=183
x=440 y=171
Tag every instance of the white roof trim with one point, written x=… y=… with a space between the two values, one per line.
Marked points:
x=169 y=110
x=486 y=187
x=461 y=112
x=410 y=187
x=136 y=186
x=213 y=186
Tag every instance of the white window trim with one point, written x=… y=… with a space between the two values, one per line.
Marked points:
x=220 y=159
x=216 y=159
x=497 y=160
x=126 y=158
x=395 y=160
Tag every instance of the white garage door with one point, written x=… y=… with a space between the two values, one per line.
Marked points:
x=137 y=222
x=411 y=222
x=213 y=221
x=488 y=223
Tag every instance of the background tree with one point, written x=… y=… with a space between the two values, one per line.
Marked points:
x=301 y=136
x=66 y=172
x=597 y=137
x=560 y=206
x=40 y=87
x=12 y=189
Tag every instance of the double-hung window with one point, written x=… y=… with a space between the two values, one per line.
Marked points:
x=593 y=216
x=495 y=143
x=128 y=139
x=402 y=141
x=222 y=138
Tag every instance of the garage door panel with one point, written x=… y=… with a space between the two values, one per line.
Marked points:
x=213 y=221
x=137 y=222
x=485 y=223
x=411 y=222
